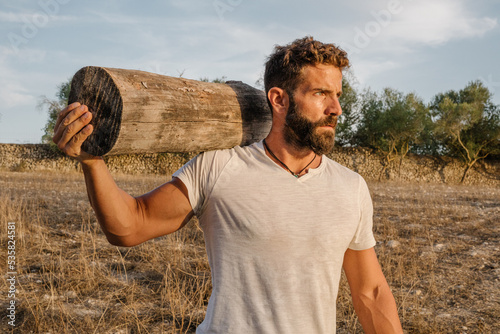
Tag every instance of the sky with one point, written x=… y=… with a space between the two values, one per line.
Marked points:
x=421 y=46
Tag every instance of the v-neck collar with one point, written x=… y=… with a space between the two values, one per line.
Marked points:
x=310 y=172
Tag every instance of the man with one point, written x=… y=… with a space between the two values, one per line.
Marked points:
x=280 y=219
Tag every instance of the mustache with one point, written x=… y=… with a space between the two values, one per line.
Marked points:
x=330 y=120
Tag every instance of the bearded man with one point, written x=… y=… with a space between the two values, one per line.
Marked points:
x=280 y=219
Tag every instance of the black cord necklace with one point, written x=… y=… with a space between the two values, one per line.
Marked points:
x=281 y=162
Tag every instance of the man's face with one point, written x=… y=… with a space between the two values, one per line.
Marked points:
x=314 y=109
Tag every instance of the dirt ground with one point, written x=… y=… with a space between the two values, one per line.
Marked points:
x=438 y=246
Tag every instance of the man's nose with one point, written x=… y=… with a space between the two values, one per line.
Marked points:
x=334 y=107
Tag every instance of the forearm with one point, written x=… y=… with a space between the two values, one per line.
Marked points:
x=116 y=210
x=377 y=311
x=371 y=295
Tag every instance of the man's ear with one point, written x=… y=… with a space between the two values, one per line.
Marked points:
x=279 y=100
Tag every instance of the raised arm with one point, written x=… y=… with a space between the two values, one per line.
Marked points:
x=371 y=295
x=125 y=220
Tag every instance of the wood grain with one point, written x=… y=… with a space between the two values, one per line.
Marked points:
x=141 y=112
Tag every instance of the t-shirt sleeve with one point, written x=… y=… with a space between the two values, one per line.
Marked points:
x=363 y=238
x=200 y=174
x=193 y=175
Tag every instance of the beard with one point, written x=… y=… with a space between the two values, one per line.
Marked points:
x=301 y=133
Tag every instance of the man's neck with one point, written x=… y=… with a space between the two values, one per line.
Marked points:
x=292 y=157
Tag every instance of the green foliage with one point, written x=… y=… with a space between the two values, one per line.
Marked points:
x=216 y=80
x=54 y=107
x=349 y=100
x=467 y=123
x=392 y=123
x=426 y=143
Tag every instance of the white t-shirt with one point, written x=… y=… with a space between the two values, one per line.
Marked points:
x=275 y=243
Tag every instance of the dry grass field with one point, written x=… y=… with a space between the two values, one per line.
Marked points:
x=438 y=246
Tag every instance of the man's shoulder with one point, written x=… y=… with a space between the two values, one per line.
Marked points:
x=222 y=156
x=343 y=171
x=236 y=150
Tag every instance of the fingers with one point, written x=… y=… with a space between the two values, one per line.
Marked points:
x=67 y=118
x=72 y=129
x=78 y=139
x=63 y=114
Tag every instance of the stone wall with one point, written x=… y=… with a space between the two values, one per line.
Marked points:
x=38 y=157
x=417 y=168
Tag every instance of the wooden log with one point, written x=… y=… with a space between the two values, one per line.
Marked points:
x=140 y=112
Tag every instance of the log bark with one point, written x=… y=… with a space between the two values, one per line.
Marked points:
x=140 y=112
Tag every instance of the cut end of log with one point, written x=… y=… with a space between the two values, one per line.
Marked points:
x=95 y=88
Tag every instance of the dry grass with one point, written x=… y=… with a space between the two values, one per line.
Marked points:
x=444 y=273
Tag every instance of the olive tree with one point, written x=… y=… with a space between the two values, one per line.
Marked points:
x=347 y=122
x=392 y=123
x=467 y=124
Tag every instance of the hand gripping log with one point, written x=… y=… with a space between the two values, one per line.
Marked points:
x=140 y=112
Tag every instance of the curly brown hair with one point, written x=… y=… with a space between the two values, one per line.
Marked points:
x=284 y=66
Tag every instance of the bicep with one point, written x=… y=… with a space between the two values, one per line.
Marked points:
x=163 y=210
x=363 y=270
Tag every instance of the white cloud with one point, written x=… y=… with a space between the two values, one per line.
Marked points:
x=388 y=40
x=14 y=95
x=195 y=6
x=13 y=92
x=365 y=69
x=435 y=22
x=28 y=55
x=407 y=26
x=113 y=18
x=38 y=18
x=9 y=17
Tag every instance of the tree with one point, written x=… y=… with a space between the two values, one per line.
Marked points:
x=54 y=107
x=391 y=123
x=426 y=142
x=216 y=80
x=467 y=124
x=347 y=122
